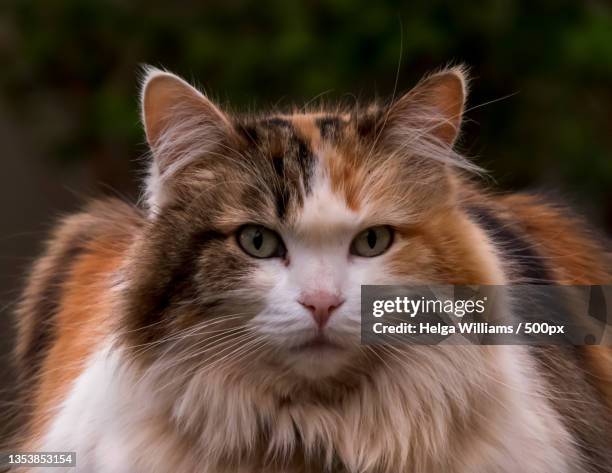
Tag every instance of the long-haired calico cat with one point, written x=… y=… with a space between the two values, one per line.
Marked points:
x=216 y=329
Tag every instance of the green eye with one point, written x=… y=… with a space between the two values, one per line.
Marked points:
x=372 y=241
x=259 y=242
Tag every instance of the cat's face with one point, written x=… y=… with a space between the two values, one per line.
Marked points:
x=263 y=229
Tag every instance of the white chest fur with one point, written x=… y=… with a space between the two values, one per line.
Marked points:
x=116 y=424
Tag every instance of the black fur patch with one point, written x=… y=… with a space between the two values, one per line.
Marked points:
x=277 y=122
x=513 y=245
x=48 y=304
x=248 y=132
x=329 y=127
x=369 y=124
x=281 y=196
x=306 y=162
x=183 y=269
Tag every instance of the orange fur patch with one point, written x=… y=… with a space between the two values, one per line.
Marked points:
x=83 y=322
x=85 y=315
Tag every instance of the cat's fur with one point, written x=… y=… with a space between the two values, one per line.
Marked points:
x=150 y=342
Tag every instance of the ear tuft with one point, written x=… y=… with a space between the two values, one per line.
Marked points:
x=181 y=126
x=437 y=102
x=166 y=99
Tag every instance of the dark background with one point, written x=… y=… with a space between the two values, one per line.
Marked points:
x=69 y=126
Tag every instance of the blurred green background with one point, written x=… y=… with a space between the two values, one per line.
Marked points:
x=69 y=125
x=70 y=69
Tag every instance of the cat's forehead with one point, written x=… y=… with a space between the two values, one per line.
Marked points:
x=313 y=161
x=306 y=125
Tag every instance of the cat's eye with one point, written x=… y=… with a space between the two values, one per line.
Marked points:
x=260 y=242
x=372 y=241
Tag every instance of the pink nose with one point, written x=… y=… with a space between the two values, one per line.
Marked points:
x=321 y=304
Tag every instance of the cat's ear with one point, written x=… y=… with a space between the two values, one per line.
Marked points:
x=433 y=108
x=167 y=100
x=181 y=125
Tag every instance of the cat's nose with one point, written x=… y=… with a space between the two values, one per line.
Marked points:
x=321 y=304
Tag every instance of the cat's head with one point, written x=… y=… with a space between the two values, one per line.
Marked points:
x=263 y=228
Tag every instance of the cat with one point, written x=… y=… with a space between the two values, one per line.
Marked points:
x=214 y=327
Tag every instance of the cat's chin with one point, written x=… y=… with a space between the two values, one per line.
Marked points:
x=317 y=358
x=317 y=345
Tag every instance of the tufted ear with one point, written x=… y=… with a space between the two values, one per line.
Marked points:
x=167 y=100
x=180 y=123
x=416 y=134
x=434 y=107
